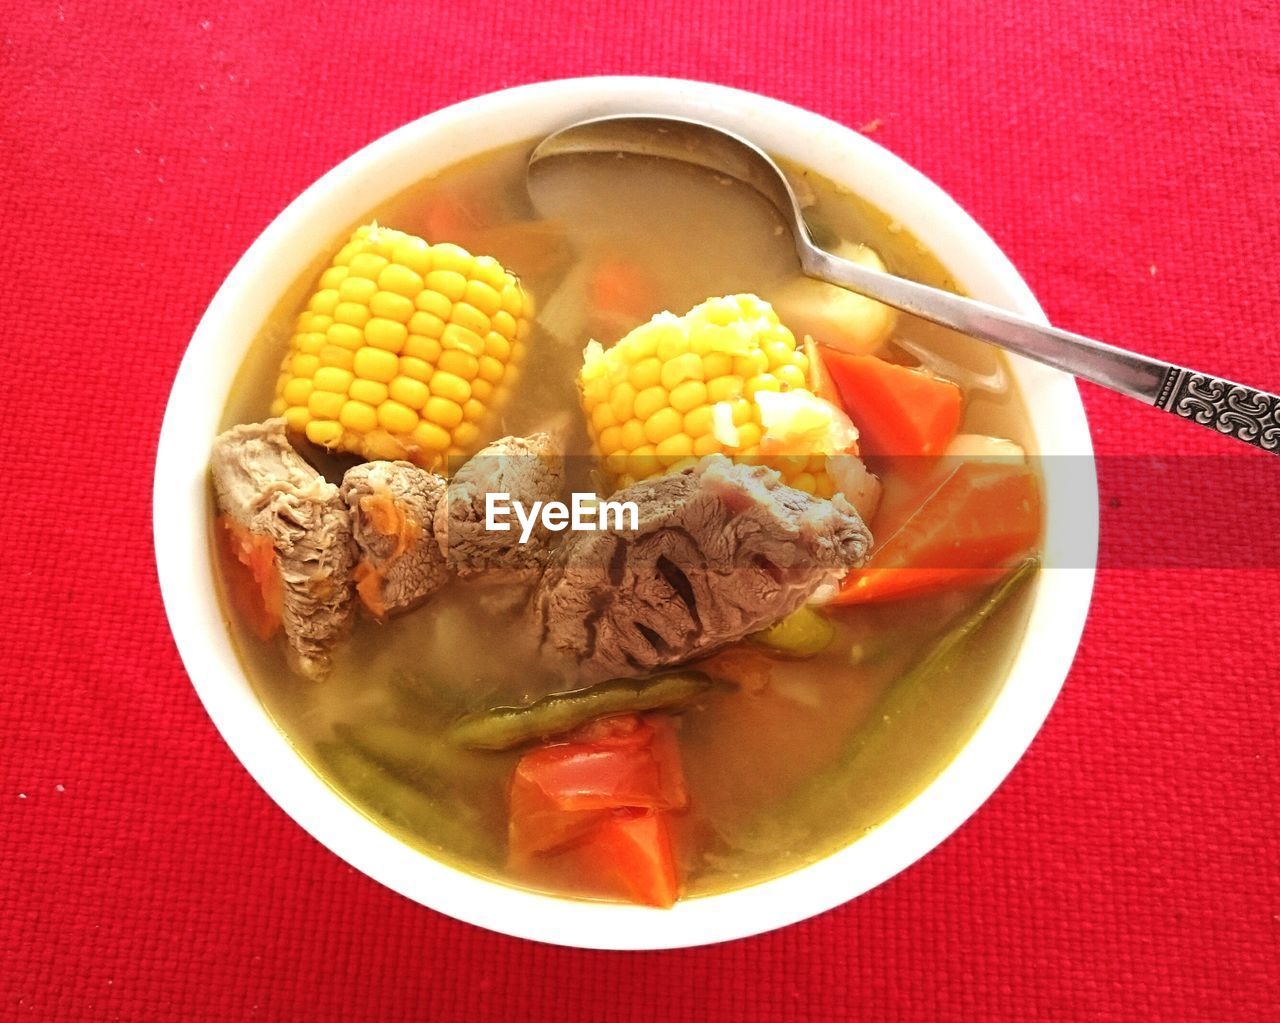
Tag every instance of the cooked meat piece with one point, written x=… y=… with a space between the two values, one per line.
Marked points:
x=721 y=550
x=393 y=509
x=527 y=469
x=266 y=489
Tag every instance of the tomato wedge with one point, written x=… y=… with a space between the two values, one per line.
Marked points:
x=897 y=410
x=967 y=532
x=633 y=849
x=623 y=762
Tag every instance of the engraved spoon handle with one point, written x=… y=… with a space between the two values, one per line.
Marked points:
x=1232 y=409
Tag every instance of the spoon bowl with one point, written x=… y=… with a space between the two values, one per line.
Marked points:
x=1242 y=412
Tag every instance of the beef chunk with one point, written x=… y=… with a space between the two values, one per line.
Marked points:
x=721 y=550
x=528 y=470
x=265 y=488
x=393 y=508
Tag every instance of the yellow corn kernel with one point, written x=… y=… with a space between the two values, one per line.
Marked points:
x=697 y=421
x=610 y=440
x=460 y=364
x=662 y=424
x=442 y=412
x=401 y=280
x=345 y=336
x=386 y=334
x=325 y=404
x=674 y=448
x=632 y=434
x=303 y=365
x=376 y=364
x=357 y=289
x=465 y=435
x=763 y=382
x=355 y=313
x=359 y=416
x=407 y=391
x=646 y=373
x=324 y=432
x=449 y=283
x=332 y=278
x=331 y=378
x=297 y=418
x=483 y=297
x=431 y=437
x=724 y=389
x=688 y=395
x=470 y=318
x=369 y=391
x=396 y=418
x=716 y=364
x=490 y=369
x=648 y=401
x=497 y=345
x=367 y=264
x=679 y=369
x=472 y=410
x=324 y=301
x=791 y=377
x=481 y=389
x=457 y=336
x=411 y=366
x=392 y=306
x=451 y=386
x=335 y=355
x=804 y=481
x=427 y=349
x=602 y=417
x=297 y=391
x=643 y=462
x=707 y=445
x=513 y=300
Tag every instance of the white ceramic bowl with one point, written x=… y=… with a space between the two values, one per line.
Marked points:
x=378 y=172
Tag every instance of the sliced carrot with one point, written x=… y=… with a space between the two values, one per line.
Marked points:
x=968 y=531
x=622 y=286
x=635 y=851
x=561 y=791
x=252 y=576
x=897 y=410
x=369 y=588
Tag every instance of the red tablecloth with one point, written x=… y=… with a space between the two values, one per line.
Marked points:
x=1126 y=156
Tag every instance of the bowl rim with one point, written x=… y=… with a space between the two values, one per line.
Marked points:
x=181 y=516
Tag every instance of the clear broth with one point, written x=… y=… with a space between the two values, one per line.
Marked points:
x=747 y=756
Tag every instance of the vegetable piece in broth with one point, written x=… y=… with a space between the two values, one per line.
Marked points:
x=507 y=727
x=374 y=787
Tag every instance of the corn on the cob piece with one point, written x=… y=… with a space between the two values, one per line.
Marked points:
x=724 y=378
x=403 y=350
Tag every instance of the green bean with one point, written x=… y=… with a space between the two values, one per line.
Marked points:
x=371 y=785
x=507 y=727
x=802 y=633
x=909 y=691
x=404 y=752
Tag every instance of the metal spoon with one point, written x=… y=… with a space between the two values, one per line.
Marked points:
x=1242 y=412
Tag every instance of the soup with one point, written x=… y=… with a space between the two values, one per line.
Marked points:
x=461 y=708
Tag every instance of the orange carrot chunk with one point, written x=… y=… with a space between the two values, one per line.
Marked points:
x=604 y=795
x=897 y=410
x=633 y=849
x=253 y=579
x=969 y=531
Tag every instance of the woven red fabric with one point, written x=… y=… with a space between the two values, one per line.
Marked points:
x=1125 y=155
